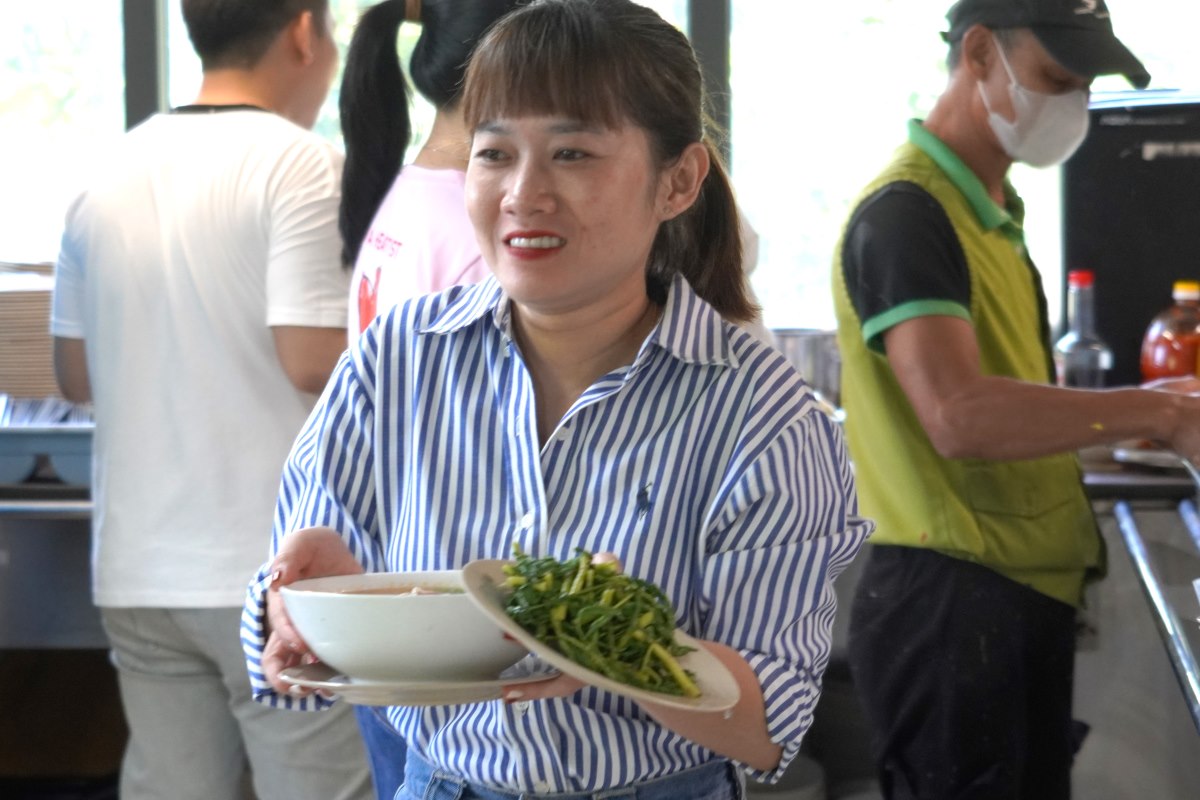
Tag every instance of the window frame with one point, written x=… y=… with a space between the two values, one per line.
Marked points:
x=146 y=57
x=144 y=22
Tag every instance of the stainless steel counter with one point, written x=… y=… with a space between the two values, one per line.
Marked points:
x=1167 y=569
x=1165 y=559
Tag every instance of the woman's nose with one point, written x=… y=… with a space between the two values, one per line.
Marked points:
x=529 y=191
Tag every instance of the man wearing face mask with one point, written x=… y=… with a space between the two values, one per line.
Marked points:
x=962 y=629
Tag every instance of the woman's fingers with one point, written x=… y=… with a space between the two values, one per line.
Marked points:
x=607 y=558
x=280 y=624
x=277 y=657
x=558 y=686
x=312 y=553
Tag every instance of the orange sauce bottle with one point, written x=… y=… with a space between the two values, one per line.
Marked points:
x=1172 y=341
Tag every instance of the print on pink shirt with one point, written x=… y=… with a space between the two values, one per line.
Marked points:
x=368 y=297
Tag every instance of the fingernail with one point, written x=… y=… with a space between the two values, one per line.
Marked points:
x=513 y=695
x=275 y=576
x=295 y=690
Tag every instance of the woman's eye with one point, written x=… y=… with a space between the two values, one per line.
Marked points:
x=567 y=154
x=489 y=154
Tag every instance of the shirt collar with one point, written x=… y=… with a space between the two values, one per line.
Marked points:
x=990 y=215
x=689 y=328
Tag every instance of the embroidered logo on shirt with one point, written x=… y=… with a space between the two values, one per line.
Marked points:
x=643 y=500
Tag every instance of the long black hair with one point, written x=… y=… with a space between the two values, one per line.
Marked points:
x=373 y=102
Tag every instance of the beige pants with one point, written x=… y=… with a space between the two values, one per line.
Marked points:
x=194 y=728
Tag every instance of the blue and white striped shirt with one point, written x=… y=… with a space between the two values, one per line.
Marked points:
x=706 y=466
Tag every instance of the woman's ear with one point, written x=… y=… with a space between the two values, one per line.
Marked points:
x=681 y=181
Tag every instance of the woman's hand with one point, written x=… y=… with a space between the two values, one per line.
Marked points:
x=558 y=686
x=307 y=553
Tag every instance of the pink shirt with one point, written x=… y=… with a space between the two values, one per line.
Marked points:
x=420 y=241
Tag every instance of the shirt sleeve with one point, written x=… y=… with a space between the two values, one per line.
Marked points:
x=788 y=526
x=306 y=281
x=902 y=259
x=328 y=480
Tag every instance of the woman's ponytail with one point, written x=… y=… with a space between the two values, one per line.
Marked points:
x=704 y=244
x=373 y=106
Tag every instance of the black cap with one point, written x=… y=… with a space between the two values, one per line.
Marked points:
x=1077 y=33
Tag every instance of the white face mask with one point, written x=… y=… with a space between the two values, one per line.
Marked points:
x=1048 y=127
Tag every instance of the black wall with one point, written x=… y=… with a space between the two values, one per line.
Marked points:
x=1131 y=213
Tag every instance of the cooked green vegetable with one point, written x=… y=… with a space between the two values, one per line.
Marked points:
x=611 y=623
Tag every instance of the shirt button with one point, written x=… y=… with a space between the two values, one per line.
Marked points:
x=563 y=434
x=543 y=787
x=526 y=520
x=521 y=706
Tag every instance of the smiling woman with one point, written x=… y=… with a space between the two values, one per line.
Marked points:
x=591 y=394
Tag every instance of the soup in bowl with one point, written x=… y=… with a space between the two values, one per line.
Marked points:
x=390 y=626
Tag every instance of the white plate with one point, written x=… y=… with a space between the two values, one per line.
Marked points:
x=415 y=693
x=1148 y=457
x=718 y=688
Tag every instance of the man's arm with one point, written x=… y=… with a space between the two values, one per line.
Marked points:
x=308 y=355
x=967 y=414
x=71 y=370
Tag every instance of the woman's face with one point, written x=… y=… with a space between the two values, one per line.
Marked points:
x=565 y=213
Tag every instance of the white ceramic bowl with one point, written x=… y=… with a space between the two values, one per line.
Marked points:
x=395 y=637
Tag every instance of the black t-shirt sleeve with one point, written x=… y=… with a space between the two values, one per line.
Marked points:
x=902 y=259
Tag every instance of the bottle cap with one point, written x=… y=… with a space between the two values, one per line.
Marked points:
x=1186 y=290
x=1080 y=278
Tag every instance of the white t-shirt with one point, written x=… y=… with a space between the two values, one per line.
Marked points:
x=205 y=230
x=420 y=241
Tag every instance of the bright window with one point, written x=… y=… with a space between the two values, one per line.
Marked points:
x=821 y=95
x=62 y=103
x=184 y=66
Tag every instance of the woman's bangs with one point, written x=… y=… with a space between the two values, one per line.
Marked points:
x=520 y=73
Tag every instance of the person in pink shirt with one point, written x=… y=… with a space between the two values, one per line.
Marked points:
x=405 y=226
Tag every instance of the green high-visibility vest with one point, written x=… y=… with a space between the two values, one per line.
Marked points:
x=1029 y=520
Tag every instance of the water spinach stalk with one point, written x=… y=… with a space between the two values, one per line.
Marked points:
x=619 y=626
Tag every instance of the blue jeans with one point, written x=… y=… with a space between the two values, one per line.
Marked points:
x=386 y=750
x=716 y=780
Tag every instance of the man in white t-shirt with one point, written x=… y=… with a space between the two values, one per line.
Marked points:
x=200 y=304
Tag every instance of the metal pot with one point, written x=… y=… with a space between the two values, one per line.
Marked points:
x=814 y=354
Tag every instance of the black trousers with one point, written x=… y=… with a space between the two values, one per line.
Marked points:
x=965 y=677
